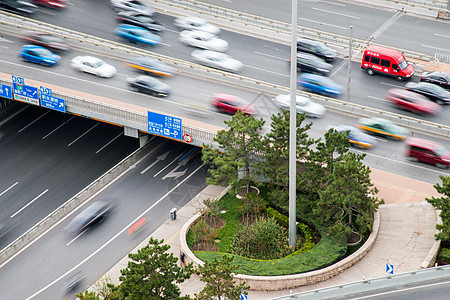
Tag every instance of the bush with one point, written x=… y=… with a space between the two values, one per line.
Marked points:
x=444 y=255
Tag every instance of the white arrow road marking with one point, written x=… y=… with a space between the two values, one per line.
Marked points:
x=182 y=153
x=158 y=159
x=174 y=174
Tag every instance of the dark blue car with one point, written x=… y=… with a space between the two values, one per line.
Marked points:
x=39 y=55
x=136 y=34
x=320 y=85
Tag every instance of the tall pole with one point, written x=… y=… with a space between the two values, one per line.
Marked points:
x=292 y=132
x=349 y=63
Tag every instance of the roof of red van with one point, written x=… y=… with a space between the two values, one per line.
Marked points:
x=422 y=143
x=385 y=51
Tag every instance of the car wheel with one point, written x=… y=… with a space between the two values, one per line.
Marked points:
x=413 y=159
x=440 y=102
x=441 y=166
x=399 y=78
x=371 y=72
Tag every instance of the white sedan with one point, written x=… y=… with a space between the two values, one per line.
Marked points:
x=194 y=23
x=93 y=65
x=217 y=60
x=203 y=40
x=303 y=105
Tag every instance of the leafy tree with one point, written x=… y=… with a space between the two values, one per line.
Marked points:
x=442 y=204
x=351 y=191
x=239 y=144
x=88 y=296
x=276 y=153
x=218 y=276
x=153 y=274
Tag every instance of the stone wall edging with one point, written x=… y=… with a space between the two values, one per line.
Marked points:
x=430 y=260
x=288 y=281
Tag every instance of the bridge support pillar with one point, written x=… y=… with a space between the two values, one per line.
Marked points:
x=143 y=139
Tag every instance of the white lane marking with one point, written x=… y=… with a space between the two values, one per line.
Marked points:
x=2 y=39
x=114 y=237
x=23 y=128
x=75 y=238
x=403 y=290
x=46 y=12
x=386 y=25
x=322 y=23
x=37 y=197
x=4 y=47
x=377 y=98
x=86 y=132
x=334 y=3
x=171 y=30
x=336 y=13
x=117 y=136
x=442 y=49
x=276 y=73
x=48 y=134
x=391 y=84
x=271 y=56
x=443 y=35
x=174 y=160
x=8 y=188
x=164 y=44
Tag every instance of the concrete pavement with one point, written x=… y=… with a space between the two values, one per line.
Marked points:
x=405 y=237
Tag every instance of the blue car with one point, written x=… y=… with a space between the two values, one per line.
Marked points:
x=39 y=55
x=356 y=137
x=136 y=34
x=320 y=84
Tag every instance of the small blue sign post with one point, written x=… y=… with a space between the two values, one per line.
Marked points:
x=389 y=268
x=243 y=297
x=5 y=91
x=24 y=93
x=47 y=100
x=167 y=126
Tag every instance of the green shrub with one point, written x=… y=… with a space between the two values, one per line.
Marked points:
x=444 y=255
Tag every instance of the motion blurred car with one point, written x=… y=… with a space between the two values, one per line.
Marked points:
x=320 y=84
x=440 y=78
x=149 y=85
x=432 y=91
x=135 y=34
x=231 y=104
x=310 y=63
x=193 y=23
x=150 y=65
x=93 y=65
x=39 y=55
x=203 y=40
x=412 y=101
x=217 y=60
x=45 y=40
x=58 y=4
x=303 y=105
x=72 y=282
x=132 y=5
x=428 y=152
x=356 y=137
x=383 y=127
x=19 y=6
x=136 y=19
x=89 y=217
x=317 y=48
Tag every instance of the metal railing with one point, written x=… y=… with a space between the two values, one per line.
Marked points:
x=428 y=4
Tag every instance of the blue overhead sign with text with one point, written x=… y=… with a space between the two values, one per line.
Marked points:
x=164 y=125
x=47 y=100
x=5 y=91
x=25 y=93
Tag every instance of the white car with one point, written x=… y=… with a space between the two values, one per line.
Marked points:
x=93 y=65
x=303 y=105
x=203 y=40
x=217 y=60
x=132 y=5
x=193 y=23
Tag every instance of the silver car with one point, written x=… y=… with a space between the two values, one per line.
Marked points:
x=217 y=60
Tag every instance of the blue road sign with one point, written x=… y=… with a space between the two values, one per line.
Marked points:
x=5 y=91
x=24 y=92
x=164 y=125
x=243 y=297
x=389 y=268
x=47 y=100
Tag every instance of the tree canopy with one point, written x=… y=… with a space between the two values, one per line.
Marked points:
x=442 y=204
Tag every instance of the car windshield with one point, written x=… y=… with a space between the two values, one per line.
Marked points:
x=440 y=151
x=437 y=89
x=98 y=63
x=43 y=52
x=403 y=64
x=300 y=101
x=51 y=39
x=321 y=47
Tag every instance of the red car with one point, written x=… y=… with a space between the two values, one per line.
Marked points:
x=58 y=4
x=231 y=104
x=45 y=40
x=412 y=101
x=428 y=152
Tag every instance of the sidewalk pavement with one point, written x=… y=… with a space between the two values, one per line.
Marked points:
x=405 y=237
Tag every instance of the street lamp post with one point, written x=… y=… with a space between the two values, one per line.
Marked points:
x=349 y=64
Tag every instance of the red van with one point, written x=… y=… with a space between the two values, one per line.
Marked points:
x=386 y=61
x=428 y=152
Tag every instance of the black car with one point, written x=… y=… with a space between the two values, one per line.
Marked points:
x=149 y=85
x=440 y=78
x=137 y=19
x=431 y=91
x=89 y=217
x=45 y=40
x=310 y=63
x=319 y=49
x=19 y=6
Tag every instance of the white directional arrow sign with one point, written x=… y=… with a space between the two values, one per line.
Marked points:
x=174 y=174
x=158 y=159
x=389 y=268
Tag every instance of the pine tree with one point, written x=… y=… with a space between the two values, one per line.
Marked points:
x=442 y=204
